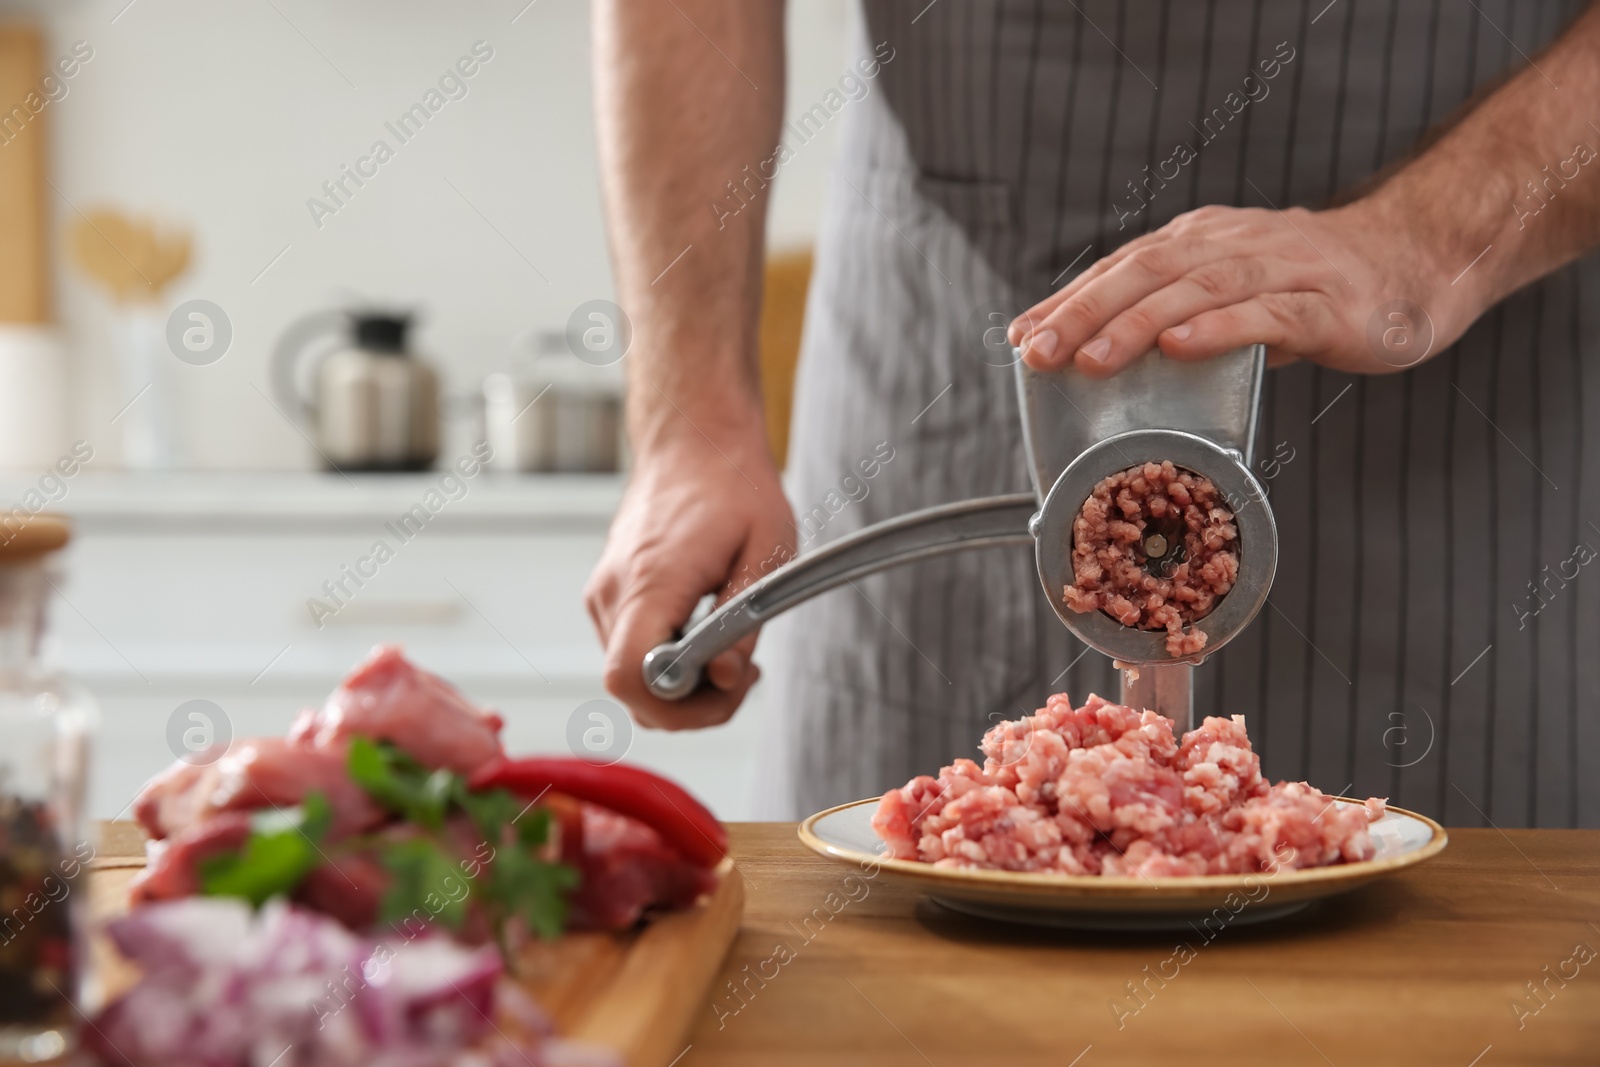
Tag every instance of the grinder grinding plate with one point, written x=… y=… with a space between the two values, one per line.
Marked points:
x=1258 y=540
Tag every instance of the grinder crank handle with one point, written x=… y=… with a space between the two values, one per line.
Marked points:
x=673 y=670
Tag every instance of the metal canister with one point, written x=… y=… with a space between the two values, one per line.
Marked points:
x=554 y=418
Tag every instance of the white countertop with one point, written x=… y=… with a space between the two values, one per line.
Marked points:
x=129 y=498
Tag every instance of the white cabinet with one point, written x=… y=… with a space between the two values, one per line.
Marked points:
x=196 y=586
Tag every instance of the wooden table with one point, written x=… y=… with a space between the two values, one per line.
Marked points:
x=1429 y=967
x=1422 y=968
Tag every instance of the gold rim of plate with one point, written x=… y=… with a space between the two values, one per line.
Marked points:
x=1124 y=886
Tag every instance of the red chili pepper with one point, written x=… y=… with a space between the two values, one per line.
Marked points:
x=664 y=806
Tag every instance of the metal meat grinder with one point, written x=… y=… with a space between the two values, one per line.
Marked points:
x=1078 y=431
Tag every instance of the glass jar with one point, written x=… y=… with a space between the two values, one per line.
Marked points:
x=45 y=728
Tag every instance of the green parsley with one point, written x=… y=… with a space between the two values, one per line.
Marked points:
x=400 y=783
x=283 y=846
x=511 y=882
x=433 y=873
x=424 y=880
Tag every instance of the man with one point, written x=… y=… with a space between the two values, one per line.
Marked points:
x=1424 y=452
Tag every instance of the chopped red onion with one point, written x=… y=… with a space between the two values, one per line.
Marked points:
x=223 y=986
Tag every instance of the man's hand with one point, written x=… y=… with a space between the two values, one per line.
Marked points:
x=1506 y=195
x=694 y=520
x=688 y=101
x=1307 y=284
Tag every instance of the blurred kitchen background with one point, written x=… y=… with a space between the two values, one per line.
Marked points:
x=158 y=244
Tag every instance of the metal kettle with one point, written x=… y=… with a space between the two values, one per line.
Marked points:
x=370 y=403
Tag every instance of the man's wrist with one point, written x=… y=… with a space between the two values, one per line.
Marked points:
x=1435 y=265
x=730 y=421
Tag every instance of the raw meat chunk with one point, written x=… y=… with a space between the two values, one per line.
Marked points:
x=172 y=867
x=625 y=870
x=387 y=699
x=255 y=773
x=194 y=813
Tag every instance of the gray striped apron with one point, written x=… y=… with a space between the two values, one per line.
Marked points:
x=1415 y=646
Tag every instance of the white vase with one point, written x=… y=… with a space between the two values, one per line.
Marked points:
x=150 y=432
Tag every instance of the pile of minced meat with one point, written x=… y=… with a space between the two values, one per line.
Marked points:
x=1154 y=547
x=1104 y=789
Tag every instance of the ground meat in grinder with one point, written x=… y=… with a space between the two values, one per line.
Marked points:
x=1154 y=547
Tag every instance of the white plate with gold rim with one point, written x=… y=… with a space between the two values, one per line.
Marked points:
x=1403 y=839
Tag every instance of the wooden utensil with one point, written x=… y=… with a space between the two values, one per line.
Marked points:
x=132 y=257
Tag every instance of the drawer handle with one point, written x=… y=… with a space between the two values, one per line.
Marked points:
x=396 y=612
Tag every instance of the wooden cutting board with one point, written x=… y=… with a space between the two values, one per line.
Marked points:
x=633 y=993
x=638 y=993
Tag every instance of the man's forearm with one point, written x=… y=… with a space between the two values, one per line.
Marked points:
x=1512 y=191
x=688 y=94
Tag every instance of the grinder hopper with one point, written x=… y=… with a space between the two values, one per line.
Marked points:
x=1201 y=416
